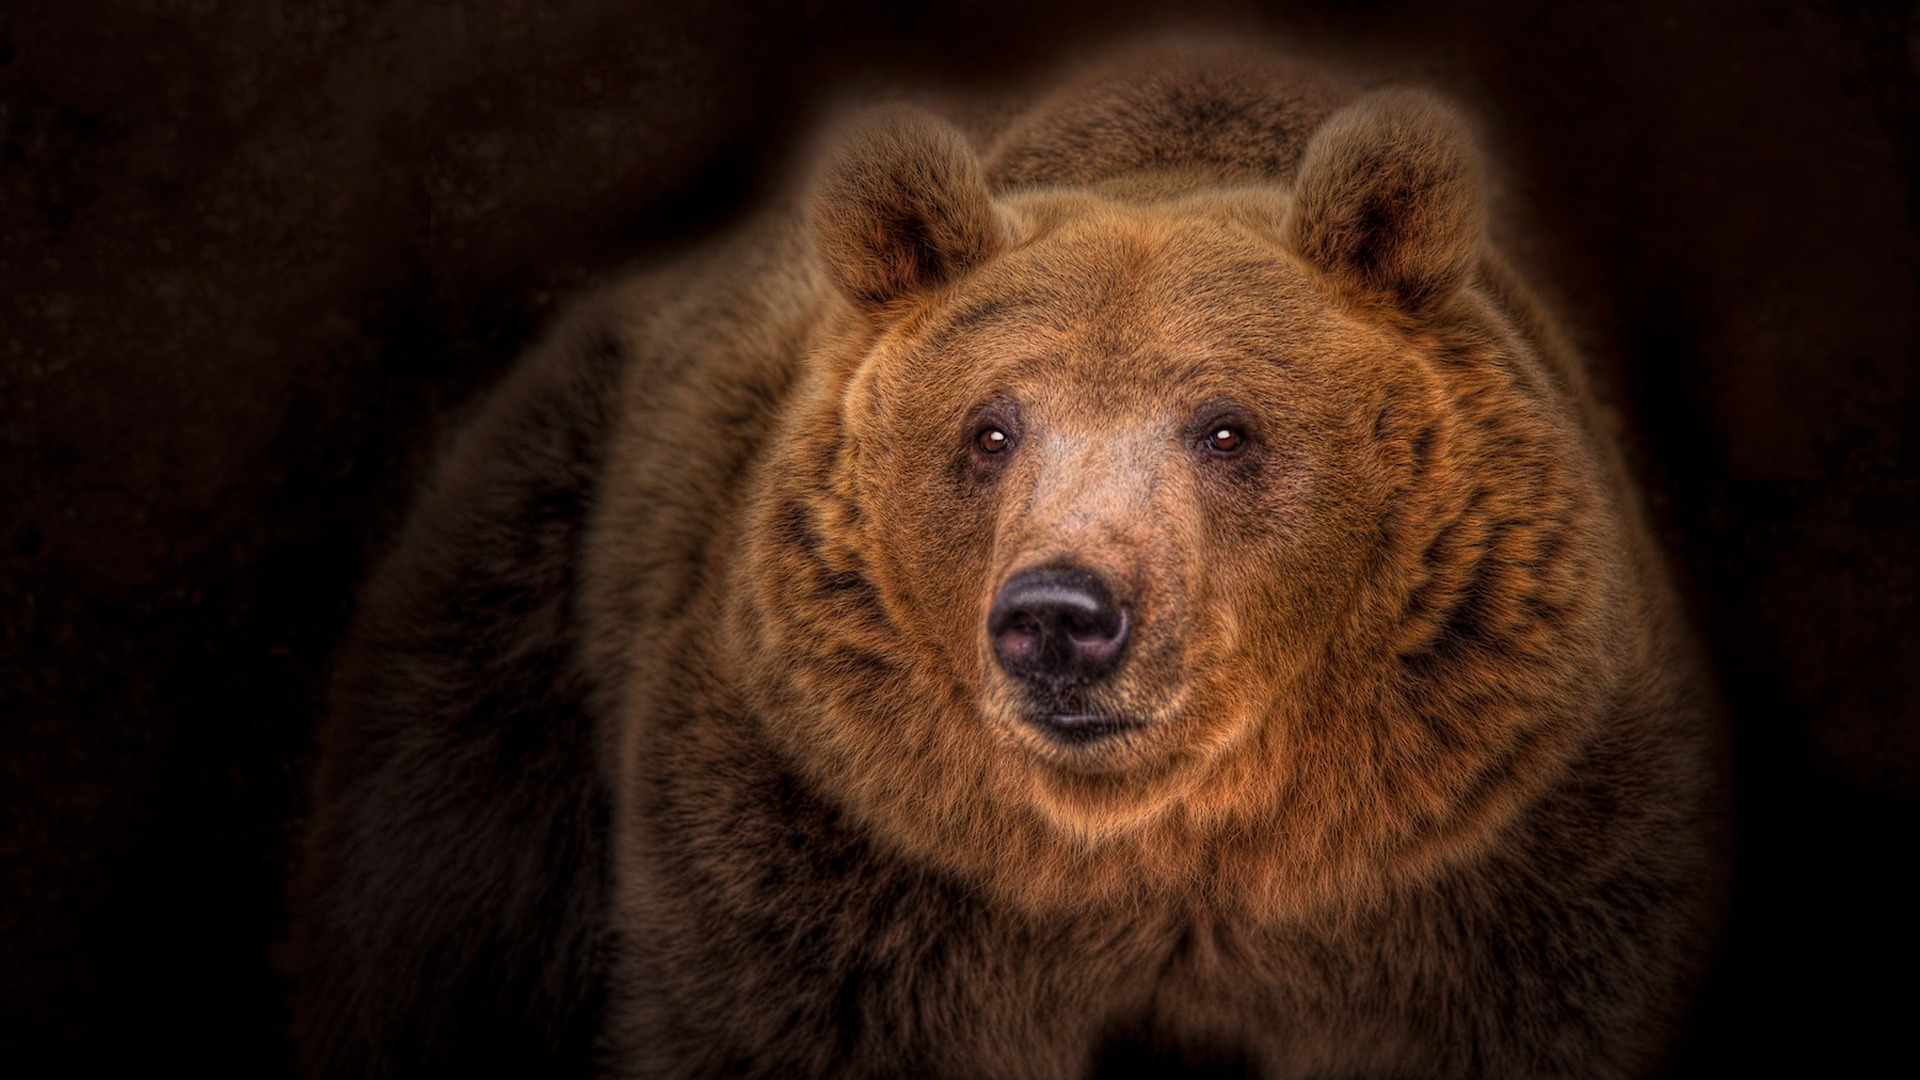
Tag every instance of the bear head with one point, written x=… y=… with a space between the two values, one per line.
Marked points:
x=1156 y=538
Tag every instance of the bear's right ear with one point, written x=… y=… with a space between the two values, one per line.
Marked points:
x=1391 y=199
x=902 y=207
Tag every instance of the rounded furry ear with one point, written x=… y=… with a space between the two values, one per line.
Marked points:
x=1391 y=199
x=902 y=207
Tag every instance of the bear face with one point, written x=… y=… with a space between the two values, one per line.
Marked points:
x=1095 y=402
x=1216 y=540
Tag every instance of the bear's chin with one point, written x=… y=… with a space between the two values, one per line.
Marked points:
x=1098 y=802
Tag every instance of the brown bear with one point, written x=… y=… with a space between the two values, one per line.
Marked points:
x=1136 y=586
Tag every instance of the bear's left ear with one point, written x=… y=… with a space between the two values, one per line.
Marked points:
x=1391 y=199
x=902 y=207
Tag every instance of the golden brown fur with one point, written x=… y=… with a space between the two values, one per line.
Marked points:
x=1411 y=776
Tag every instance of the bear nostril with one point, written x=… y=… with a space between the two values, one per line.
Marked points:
x=1017 y=644
x=1057 y=626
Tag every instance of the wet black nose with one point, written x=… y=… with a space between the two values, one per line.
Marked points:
x=1057 y=627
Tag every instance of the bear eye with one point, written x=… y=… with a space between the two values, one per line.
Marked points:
x=1226 y=439
x=996 y=428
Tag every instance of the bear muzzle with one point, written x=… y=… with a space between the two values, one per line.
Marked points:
x=1058 y=631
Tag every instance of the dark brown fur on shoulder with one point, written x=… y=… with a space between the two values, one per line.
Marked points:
x=1141 y=588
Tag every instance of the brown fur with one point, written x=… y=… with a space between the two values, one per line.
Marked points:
x=1417 y=785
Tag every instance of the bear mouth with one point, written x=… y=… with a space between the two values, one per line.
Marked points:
x=1083 y=730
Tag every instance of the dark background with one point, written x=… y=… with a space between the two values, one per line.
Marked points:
x=256 y=257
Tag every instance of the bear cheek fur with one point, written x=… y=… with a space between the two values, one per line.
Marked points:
x=921 y=525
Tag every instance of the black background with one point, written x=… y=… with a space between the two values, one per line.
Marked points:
x=256 y=257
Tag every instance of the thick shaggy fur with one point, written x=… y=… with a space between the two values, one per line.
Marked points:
x=674 y=728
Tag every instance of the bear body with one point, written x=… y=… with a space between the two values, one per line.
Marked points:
x=1137 y=586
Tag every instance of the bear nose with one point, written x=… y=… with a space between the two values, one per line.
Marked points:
x=1057 y=627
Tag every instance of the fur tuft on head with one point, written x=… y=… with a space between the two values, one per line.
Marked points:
x=1389 y=200
x=901 y=208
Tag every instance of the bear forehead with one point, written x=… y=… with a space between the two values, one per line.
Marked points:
x=1194 y=290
